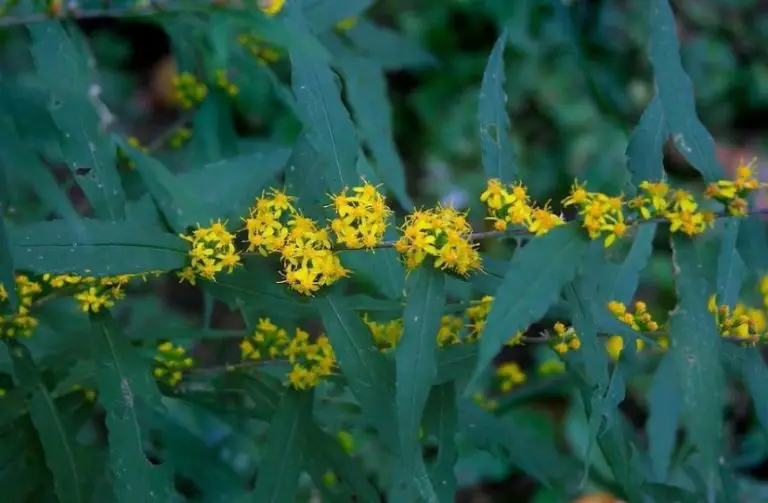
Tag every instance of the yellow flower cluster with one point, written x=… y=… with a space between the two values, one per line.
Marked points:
x=188 y=91
x=260 y=50
x=212 y=251
x=387 y=334
x=477 y=313
x=602 y=215
x=88 y=394
x=763 y=287
x=94 y=293
x=223 y=83
x=566 y=339
x=679 y=207
x=615 y=345
x=450 y=331
x=484 y=402
x=640 y=321
x=271 y=7
x=511 y=205
x=509 y=375
x=276 y=226
x=170 y=363
x=441 y=233
x=310 y=361
x=346 y=24
x=741 y=323
x=21 y=323
x=123 y=159
x=551 y=367
x=733 y=193
x=361 y=216
x=180 y=137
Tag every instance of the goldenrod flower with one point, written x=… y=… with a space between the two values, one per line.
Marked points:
x=188 y=91
x=271 y=7
x=741 y=323
x=640 y=321
x=509 y=376
x=21 y=322
x=442 y=234
x=565 y=339
x=361 y=217
x=223 y=83
x=615 y=345
x=212 y=250
x=171 y=361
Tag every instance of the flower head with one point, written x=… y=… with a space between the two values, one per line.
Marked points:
x=212 y=250
x=361 y=216
x=171 y=361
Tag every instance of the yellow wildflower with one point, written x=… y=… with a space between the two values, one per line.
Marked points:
x=212 y=251
x=442 y=234
x=171 y=361
x=21 y=322
x=188 y=91
x=509 y=375
x=223 y=83
x=361 y=217
x=271 y=7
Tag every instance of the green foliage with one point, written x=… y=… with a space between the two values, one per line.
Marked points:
x=146 y=378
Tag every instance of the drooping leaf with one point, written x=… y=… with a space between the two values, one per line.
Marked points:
x=416 y=365
x=498 y=152
x=257 y=285
x=696 y=352
x=124 y=385
x=63 y=455
x=95 y=248
x=366 y=90
x=730 y=266
x=88 y=150
x=535 y=277
x=180 y=207
x=440 y=422
x=665 y=402
x=622 y=286
x=278 y=477
x=329 y=127
x=645 y=151
x=368 y=373
x=676 y=95
x=388 y=48
x=323 y=15
x=526 y=448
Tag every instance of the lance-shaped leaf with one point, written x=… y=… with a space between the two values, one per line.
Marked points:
x=665 y=403
x=498 y=152
x=278 y=477
x=755 y=372
x=533 y=282
x=441 y=422
x=368 y=373
x=645 y=151
x=416 y=362
x=392 y=50
x=622 y=285
x=63 y=455
x=328 y=126
x=695 y=350
x=366 y=89
x=675 y=93
x=95 y=248
x=322 y=15
x=730 y=266
x=88 y=150
x=125 y=384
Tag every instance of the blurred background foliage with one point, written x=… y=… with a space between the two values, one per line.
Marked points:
x=577 y=81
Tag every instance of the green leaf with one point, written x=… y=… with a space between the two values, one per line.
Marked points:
x=665 y=403
x=440 y=422
x=62 y=453
x=391 y=50
x=416 y=365
x=125 y=384
x=95 y=248
x=323 y=15
x=730 y=266
x=498 y=152
x=366 y=90
x=755 y=373
x=455 y=362
x=645 y=151
x=695 y=350
x=87 y=149
x=329 y=128
x=526 y=448
x=368 y=373
x=181 y=207
x=753 y=244
x=278 y=477
x=621 y=285
x=256 y=285
x=536 y=275
x=7 y=276
x=676 y=95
